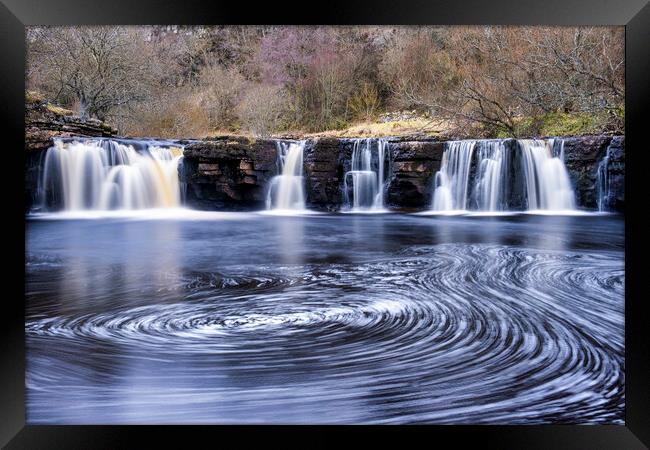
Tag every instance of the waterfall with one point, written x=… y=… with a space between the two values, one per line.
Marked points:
x=491 y=179
x=366 y=182
x=478 y=175
x=286 y=191
x=602 y=181
x=382 y=146
x=548 y=186
x=451 y=181
x=106 y=174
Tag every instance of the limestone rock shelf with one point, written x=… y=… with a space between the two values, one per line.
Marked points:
x=233 y=172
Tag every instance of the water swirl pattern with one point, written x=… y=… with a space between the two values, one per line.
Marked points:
x=446 y=320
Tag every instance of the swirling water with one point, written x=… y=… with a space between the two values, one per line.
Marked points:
x=246 y=318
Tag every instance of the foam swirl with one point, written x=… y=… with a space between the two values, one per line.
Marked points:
x=436 y=334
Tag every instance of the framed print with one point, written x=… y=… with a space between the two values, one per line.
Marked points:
x=380 y=216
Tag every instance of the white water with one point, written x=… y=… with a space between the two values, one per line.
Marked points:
x=451 y=181
x=368 y=187
x=490 y=187
x=105 y=175
x=602 y=182
x=548 y=186
x=286 y=191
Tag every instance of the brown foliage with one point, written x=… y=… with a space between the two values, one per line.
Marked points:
x=261 y=109
x=493 y=76
x=188 y=81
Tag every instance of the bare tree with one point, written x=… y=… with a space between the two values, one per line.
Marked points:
x=99 y=68
x=219 y=90
x=494 y=76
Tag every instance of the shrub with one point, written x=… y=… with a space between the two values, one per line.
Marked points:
x=261 y=109
x=218 y=92
x=364 y=103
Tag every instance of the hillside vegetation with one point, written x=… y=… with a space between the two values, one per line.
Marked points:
x=172 y=81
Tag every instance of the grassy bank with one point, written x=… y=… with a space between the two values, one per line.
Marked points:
x=551 y=124
x=565 y=124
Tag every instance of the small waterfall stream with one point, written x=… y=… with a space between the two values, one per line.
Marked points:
x=544 y=181
x=602 y=182
x=286 y=191
x=490 y=190
x=450 y=183
x=104 y=174
x=366 y=178
x=547 y=180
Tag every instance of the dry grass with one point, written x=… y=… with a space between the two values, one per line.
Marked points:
x=58 y=110
x=418 y=126
x=34 y=97
x=38 y=98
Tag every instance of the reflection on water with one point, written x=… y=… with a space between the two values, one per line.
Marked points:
x=289 y=232
x=326 y=318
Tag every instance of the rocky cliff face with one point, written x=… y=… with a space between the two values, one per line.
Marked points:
x=615 y=169
x=582 y=156
x=324 y=171
x=44 y=122
x=414 y=163
x=234 y=172
x=228 y=172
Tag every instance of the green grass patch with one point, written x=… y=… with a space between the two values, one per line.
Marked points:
x=567 y=124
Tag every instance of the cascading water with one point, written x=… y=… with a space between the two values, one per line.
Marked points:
x=451 y=181
x=548 y=186
x=544 y=181
x=602 y=181
x=491 y=179
x=105 y=174
x=286 y=191
x=366 y=179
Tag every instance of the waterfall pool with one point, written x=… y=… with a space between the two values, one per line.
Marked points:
x=181 y=316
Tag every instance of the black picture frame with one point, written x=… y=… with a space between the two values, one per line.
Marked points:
x=15 y=15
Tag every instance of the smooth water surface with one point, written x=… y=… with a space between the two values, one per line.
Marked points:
x=248 y=318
